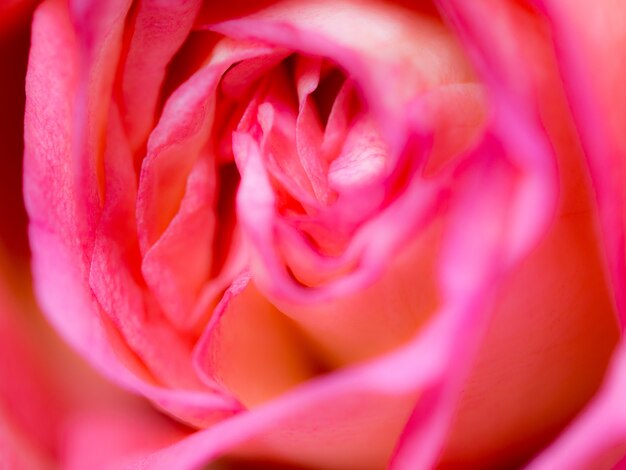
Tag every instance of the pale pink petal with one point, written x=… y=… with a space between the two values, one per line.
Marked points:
x=308 y=128
x=475 y=247
x=348 y=329
x=459 y=113
x=180 y=195
x=276 y=119
x=49 y=190
x=115 y=277
x=544 y=352
x=104 y=438
x=338 y=120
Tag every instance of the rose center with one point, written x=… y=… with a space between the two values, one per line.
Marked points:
x=318 y=144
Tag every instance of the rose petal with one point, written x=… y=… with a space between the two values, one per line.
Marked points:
x=510 y=80
x=175 y=143
x=586 y=37
x=179 y=264
x=342 y=413
x=99 y=31
x=31 y=406
x=252 y=348
x=58 y=225
x=597 y=438
x=158 y=30
x=16 y=450
x=104 y=438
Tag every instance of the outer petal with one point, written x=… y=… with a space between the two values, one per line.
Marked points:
x=585 y=320
x=103 y=439
x=59 y=227
x=587 y=37
x=31 y=408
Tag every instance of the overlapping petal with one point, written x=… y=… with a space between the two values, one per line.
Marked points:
x=401 y=256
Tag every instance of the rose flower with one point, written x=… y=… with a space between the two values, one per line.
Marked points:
x=330 y=234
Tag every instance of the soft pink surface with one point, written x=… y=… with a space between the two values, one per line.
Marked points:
x=541 y=334
x=134 y=235
x=586 y=39
x=30 y=410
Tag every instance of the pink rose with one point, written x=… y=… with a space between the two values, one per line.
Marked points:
x=334 y=234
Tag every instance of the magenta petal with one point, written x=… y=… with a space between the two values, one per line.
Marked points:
x=473 y=252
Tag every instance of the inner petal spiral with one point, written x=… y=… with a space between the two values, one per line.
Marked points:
x=318 y=145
